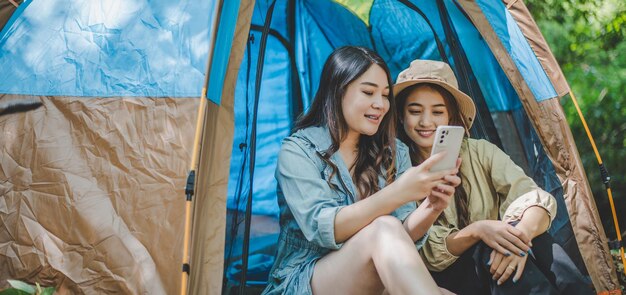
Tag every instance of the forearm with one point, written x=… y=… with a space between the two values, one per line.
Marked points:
x=420 y=220
x=458 y=242
x=534 y=222
x=351 y=219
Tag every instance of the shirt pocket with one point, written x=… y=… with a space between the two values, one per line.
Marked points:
x=339 y=188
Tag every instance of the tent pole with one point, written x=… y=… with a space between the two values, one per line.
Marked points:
x=253 y=134
x=189 y=189
x=606 y=179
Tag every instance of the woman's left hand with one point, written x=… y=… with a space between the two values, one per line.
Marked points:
x=441 y=194
x=503 y=266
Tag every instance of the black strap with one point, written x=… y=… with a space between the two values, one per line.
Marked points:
x=189 y=188
x=606 y=178
x=243 y=147
x=257 y=92
x=297 y=105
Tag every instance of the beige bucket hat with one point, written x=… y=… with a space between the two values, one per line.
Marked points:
x=437 y=72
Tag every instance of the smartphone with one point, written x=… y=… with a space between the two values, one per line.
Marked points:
x=447 y=138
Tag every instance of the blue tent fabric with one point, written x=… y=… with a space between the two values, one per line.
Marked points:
x=339 y=25
x=312 y=48
x=273 y=125
x=518 y=48
x=397 y=44
x=499 y=93
x=318 y=33
x=220 y=58
x=77 y=48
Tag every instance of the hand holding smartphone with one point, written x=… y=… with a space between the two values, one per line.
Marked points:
x=447 y=138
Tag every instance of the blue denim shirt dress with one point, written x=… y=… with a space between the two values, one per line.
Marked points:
x=308 y=206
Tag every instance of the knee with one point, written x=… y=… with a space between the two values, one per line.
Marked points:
x=384 y=236
x=386 y=223
x=384 y=227
x=381 y=229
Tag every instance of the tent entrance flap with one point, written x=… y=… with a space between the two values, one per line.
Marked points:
x=399 y=37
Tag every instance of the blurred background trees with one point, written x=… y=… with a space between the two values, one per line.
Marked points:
x=588 y=38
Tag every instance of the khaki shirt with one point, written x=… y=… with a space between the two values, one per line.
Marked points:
x=495 y=186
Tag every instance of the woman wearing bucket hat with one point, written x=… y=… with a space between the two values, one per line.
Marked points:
x=470 y=250
x=347 y=191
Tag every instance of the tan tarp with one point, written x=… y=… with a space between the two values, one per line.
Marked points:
x=91 y=193
x=92 y=190
x=549 y=122
x=209 y=222
x=6 y=10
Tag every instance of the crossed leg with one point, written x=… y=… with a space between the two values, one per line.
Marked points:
x=380 y=256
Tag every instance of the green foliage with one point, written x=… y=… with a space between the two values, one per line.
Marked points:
x=588 y=38
x=620 y=268
x=21 y=288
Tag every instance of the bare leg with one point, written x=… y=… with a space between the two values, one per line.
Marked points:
x=380 y=256
x=443 y=292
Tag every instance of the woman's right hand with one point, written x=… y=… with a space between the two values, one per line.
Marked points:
x=502 y=237
x=418 y=182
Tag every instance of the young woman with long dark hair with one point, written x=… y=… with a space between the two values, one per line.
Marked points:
x=482 y=242
x=347 y=190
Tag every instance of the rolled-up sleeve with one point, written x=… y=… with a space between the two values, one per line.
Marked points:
x=309 y=197
x=517 y=191
x=536 y=197
x=435 y=251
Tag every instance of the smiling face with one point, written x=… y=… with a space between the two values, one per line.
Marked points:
x=424 y=109
x=366 y=102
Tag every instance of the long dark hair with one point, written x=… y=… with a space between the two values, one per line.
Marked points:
x=376 y=153
x=461 y=200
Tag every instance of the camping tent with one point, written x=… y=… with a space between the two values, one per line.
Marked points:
x=494 y=47
x=92 y=184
